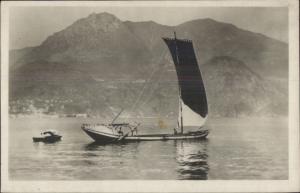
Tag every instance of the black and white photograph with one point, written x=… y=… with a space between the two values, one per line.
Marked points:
x=150 y=96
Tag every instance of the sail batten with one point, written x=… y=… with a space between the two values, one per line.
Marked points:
x=191 y=87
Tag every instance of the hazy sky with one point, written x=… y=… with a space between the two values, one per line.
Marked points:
x=29 y=26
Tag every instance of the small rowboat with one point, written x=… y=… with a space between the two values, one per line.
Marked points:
x=47 y=137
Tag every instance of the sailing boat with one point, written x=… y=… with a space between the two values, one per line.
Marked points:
x=193 y=110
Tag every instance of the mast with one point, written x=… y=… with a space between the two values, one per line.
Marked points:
x=180 y=112
x=176 y=49
x=180 y=99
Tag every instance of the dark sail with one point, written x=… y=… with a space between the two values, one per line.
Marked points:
x=189 y=76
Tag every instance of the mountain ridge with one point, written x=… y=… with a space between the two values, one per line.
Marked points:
x=102 y=47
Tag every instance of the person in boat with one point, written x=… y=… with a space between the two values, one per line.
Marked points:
x=133 y=130
x=120 y=132
x=175 y=131
x=50 y=133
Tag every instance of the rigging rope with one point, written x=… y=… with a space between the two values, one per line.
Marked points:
x=145 y=84
x=141 y=93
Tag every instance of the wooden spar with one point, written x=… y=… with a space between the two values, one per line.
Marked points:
x=181 y=118
x=117 y=116
x=180 y=99
x=180 y=113
x=176 y=48
x=123 y=136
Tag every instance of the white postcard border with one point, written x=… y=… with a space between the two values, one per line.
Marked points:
x=163 y=185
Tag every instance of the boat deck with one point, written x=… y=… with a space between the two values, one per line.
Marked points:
x=166 y=135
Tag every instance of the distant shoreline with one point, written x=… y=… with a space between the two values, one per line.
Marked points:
x=15 y=116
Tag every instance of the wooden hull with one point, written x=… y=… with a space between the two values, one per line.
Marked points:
x=48 y=139
x=102 y=137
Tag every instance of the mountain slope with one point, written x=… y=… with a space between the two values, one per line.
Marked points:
x=233 y=89
x=83 y=63
x=265 y=56
x=100 y=44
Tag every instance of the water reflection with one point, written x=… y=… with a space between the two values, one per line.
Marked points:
x=115 y=148
x=190 y=161
x=191 y=157
x=96 y=145
x=92 y=146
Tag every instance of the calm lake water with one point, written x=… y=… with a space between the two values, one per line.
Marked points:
x=247 y=148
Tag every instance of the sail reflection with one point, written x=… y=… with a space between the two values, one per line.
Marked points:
x=191 y=157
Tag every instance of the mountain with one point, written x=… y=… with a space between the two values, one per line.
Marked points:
x=233 y=89
x=100 y=63
x=266 y=56
x=100 y=44
x=16 y=55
